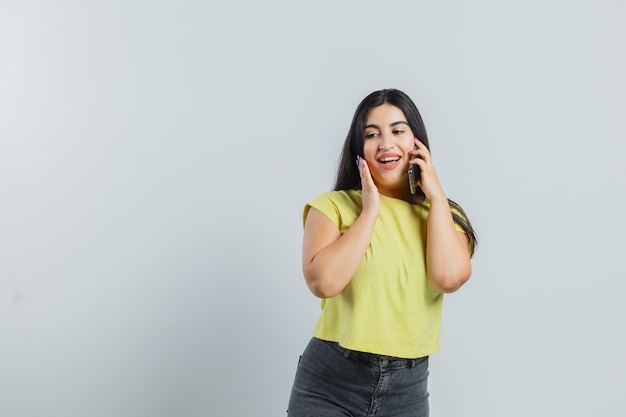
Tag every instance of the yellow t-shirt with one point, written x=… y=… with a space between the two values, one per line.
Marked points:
x=388 y=307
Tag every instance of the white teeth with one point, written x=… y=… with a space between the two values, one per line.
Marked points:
x=389 y=159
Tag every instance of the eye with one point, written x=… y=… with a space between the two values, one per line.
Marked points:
x=398 y=132
x=371 y=135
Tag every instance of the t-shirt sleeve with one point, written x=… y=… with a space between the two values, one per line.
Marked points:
x=324 y=204
x=458 y=227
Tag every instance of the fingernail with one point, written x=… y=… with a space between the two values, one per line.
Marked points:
x=416 y=138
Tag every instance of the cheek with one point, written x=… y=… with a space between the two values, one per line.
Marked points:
x=370 y=149
x=408 y=143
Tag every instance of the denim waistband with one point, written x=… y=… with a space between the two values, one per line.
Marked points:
x=375 y=359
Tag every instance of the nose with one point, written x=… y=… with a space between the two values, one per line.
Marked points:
x=385 y=142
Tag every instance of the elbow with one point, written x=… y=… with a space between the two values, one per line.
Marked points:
x=447 y=286
x=322 y=291
x=450 y=282
x=321 y=287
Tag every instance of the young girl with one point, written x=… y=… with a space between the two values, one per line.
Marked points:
x=380 y=252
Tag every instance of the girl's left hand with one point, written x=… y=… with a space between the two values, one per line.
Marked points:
x=429 y=181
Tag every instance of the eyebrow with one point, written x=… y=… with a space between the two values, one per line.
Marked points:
x=401 y=122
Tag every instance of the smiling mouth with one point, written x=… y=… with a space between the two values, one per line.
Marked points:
x=389 y=159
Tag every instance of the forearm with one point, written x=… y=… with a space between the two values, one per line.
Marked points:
x=332 y=268
x=447 y=257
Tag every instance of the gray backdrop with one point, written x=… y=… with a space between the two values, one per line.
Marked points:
x=155 y=157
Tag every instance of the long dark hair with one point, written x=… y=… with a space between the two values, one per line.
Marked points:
x=348 y=177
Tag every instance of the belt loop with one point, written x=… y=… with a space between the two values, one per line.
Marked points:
x=346 y=353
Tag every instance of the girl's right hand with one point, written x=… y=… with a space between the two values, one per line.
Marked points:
x=370 y=196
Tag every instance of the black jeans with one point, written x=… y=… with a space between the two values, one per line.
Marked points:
x=334 y=381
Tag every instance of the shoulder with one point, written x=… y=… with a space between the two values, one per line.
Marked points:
x=335 y=204
x=337 y=198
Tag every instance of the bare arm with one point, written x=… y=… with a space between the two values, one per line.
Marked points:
x=447 y=256
x=329 y=259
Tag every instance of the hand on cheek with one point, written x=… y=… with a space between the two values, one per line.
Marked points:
x=428 y=181
x=371 y=199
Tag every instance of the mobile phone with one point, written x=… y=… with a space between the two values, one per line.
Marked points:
x=414 y=176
